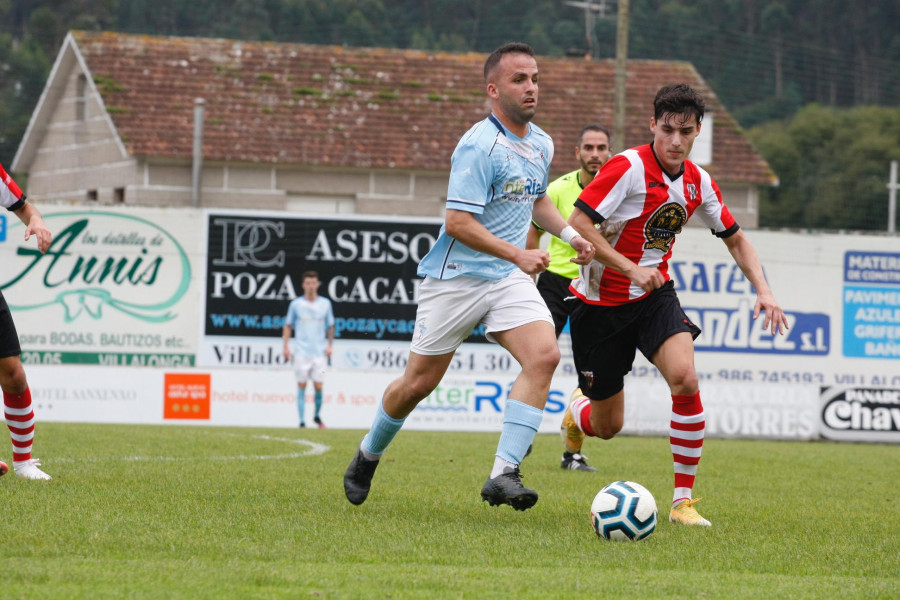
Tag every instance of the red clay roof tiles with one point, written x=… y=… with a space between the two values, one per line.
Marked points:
x=363 y=107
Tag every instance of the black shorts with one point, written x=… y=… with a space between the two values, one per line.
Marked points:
x=554 y=289
x=9 y=339
x=604 y=338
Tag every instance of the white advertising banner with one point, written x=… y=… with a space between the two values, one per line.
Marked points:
x=117 y=287
x=463 y=402
x=151 y=291
x=841 y=295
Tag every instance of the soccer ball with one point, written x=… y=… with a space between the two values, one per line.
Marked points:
x=623 y=510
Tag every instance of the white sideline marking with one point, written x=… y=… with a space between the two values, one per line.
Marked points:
x=314 y=450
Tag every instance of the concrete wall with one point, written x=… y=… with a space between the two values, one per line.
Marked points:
x=80 y=158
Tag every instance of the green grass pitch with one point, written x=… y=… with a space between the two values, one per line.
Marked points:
x=199 y=512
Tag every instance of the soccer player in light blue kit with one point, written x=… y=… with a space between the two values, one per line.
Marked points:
x=478 y=272
x=310 y=320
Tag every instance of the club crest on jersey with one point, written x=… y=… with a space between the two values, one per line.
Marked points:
x=663 y=225
x=692 y=191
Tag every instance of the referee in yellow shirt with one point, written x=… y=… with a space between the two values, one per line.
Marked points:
x=592 y=152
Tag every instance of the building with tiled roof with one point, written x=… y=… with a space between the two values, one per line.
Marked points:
x=316 y=128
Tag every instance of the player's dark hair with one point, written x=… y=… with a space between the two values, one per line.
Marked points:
x=308 y=274
x=593 y=127
x=678 y=99
x=509 y=48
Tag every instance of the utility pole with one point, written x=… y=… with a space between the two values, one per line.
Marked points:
x=892 y=186
x=197 y=162
x=591 y=12
x=618 y=141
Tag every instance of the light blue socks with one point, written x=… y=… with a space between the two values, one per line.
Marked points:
x=301 y=404
x=383 y=431
x=318 y=400
x=520 y=423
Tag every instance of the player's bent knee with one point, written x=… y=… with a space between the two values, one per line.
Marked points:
x=419 y=387
x=684 y=383
x=606 y=431
x=550 y=358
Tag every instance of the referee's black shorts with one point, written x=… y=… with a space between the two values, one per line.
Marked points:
x=604 y=338
x=9 y=339
x=554 y=289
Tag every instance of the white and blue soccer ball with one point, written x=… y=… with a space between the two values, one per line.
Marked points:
x=624 y=510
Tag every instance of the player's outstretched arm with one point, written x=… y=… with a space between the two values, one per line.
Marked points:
x=745 y=257
x=34 y=225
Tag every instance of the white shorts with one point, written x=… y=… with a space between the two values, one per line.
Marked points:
x=450 y=308
x=309 y=367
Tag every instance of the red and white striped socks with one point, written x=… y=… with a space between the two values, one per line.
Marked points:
x=20 y=420
x=686 y=431
x=581 y=414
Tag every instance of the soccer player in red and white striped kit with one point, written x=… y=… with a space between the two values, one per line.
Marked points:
x=631 y=212
x=17 y=408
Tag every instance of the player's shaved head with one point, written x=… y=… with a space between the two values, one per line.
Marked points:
x=510 y=48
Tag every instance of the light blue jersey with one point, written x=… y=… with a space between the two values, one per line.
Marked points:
x=497 y=177
x=310 y=322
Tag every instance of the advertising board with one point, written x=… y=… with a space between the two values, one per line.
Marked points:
x=166 y=291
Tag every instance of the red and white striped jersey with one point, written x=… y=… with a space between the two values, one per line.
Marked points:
x=639 y=208
x=11 y=197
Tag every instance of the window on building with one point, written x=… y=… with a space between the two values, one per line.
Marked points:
x=92 y=195
x=119 y=195
x=81 y=98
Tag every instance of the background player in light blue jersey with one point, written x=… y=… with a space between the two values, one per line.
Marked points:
x=478 y=272
x=310 y=320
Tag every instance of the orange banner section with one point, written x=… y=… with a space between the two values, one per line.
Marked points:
x=187 y=396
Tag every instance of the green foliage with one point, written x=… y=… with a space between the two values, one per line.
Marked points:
x=108 y=85
x=221 y=513
x=769 y=108
x=307 y=91
x=765 y=60
x=833 y=167
x=24 y=66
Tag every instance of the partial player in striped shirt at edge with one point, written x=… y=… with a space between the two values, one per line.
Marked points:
x=478 y=273
x=631 y=213
x=17 y=406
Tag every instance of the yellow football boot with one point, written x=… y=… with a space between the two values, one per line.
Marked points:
x=684 y=512
x=571 y=435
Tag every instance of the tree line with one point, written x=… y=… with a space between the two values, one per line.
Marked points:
x=767 y=59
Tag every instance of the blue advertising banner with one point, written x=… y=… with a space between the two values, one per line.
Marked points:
x=871 y=299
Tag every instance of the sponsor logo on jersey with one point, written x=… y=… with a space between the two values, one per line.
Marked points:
x=663 y=225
